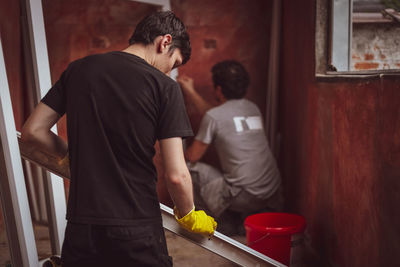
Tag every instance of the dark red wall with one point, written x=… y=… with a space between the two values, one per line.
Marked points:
x=340 y=154
x=240 y=30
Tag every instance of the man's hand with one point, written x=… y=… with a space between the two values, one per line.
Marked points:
x=64 y=164
x=197 y=222
x=186 y=83
x=192 y=95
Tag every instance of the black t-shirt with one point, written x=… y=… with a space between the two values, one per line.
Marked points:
x=117 y=106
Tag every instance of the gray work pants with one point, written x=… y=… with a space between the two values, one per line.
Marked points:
x=213 y=194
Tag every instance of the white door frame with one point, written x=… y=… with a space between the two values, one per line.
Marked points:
x=14 y=198
x=54 y=186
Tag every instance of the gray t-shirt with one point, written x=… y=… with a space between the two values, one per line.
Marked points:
x=236 y=128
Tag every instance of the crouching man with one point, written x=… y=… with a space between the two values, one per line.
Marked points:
x=249 y=181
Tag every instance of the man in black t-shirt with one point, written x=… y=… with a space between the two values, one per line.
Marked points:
x=118 y=104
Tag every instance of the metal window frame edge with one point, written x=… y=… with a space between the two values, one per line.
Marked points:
x=323 y=47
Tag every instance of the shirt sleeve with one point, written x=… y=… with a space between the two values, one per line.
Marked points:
x=173 y=119
x=207 y=129
x=55 y=97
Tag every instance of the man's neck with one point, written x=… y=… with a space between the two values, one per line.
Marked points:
x=141 y=51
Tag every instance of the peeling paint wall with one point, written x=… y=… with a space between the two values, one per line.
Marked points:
x=376 y=46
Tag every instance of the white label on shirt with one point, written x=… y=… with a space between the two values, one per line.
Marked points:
x=250 y=123
x=254 y=122
x=238 y=123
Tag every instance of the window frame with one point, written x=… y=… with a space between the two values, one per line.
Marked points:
x=324 y=44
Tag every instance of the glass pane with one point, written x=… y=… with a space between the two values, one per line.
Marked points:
x=185 y=253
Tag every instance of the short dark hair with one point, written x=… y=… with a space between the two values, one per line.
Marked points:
x=232 y=77
x=159 y=24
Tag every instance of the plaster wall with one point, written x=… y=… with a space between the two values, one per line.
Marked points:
x=376 y=46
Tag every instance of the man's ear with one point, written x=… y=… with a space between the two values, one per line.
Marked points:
x=166 y=41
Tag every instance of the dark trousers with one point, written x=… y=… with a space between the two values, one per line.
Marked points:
x=88 y=245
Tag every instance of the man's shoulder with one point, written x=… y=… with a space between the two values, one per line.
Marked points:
x=126 y=60
x=89 y=60
x=94 y=57
x=214 y=112
x=231 y=107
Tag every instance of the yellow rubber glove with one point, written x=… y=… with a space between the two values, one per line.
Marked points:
x=197 y=222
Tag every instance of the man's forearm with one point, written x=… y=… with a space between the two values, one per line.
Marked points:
x=201 y=105
x=181 y=194
x=196 y=151
x=177 y=176
x=37 y=133
x=47 y=142
x=187 y=86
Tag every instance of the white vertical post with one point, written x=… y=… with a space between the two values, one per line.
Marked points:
x=31 y=189
x=54 y=185
x=164 y=4
x=17 y=215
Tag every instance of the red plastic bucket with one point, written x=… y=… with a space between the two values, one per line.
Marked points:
x=271 y=233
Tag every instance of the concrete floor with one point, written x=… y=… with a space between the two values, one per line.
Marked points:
x=183 y=252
